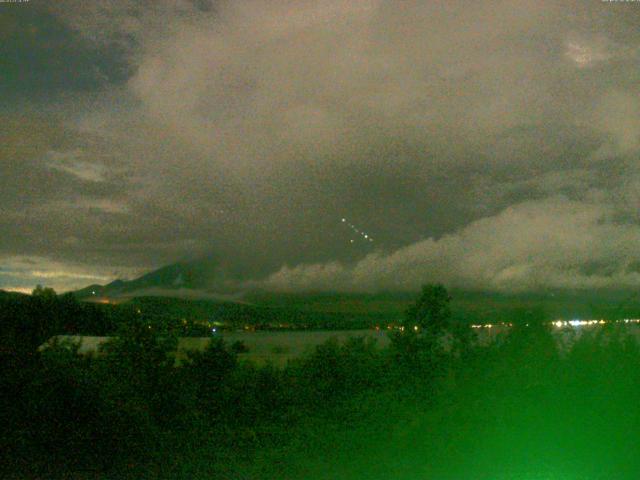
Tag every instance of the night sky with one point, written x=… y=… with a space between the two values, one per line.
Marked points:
x=484 y=144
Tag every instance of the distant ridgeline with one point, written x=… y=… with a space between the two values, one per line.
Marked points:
x=26 y=321
x=482 y=307
x=185 y=290
x=29 y=320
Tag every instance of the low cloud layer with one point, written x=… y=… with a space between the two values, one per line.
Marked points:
x=246 y=130
x=535 y=245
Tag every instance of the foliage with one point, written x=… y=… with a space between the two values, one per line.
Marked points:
x=432 y=311
x=523 y=406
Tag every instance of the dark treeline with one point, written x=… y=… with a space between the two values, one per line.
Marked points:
x=28 y=320
x=520 y=407
x=261 y=316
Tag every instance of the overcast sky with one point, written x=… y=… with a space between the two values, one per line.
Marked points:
x=487 y=144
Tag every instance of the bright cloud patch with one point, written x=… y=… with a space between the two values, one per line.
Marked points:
x=72 y=163
x=553 y=243
x=23 y=273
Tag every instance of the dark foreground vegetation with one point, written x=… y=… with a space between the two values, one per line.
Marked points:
x=519 y=408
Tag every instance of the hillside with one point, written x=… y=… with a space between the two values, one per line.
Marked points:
x=191 y=290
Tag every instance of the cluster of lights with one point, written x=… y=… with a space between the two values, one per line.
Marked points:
x=580 y=323
x=397 y=327
x=564 y=323
x=364 y=235
x=577 y=323
x=491 y=325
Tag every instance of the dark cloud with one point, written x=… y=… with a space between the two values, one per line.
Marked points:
x=42 y=56
x=455 y=134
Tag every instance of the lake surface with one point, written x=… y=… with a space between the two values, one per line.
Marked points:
x=278 y=347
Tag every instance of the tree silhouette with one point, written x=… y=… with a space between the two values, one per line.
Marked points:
x=432 y=311
x=45 y=293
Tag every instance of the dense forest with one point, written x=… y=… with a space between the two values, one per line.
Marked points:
x=520 y=407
